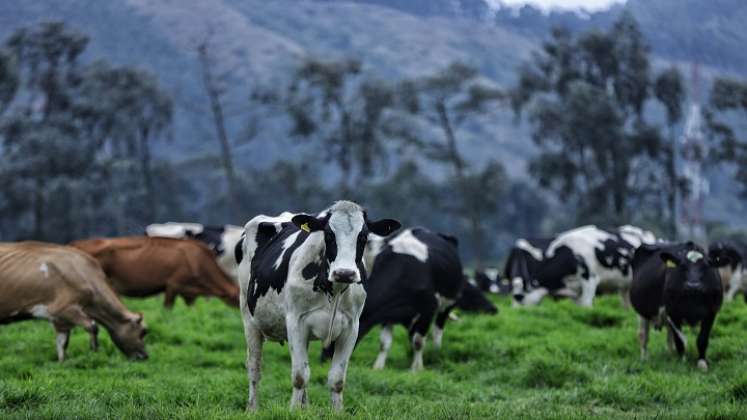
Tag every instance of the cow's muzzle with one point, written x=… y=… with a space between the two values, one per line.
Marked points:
x=344 y=275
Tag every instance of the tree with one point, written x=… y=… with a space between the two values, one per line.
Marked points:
x=336 y=103
x=585 y=97
x=728 y=96
x=670 y=91
x=449 y=100
x=68 y=129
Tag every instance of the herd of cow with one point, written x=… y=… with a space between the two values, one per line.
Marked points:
x=336 y=275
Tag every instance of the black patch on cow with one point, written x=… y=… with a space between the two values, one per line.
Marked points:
x=264 y=275
x=16 y=318
x=238 y=250
x=212 y=236
x=610 y=257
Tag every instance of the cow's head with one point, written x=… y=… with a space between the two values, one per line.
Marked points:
x=689 y=270
x=345 y=226
x=473 y=299
x=129 y=336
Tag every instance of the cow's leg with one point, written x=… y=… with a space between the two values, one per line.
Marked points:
x=643 y=329
x=588 y=290
x=298 y=342
x=169 y=297
x=680 y=341
x=344 y=346
x=62 y=337
x=670 y=340
x=419 y=329
x=440 y=324
x=254 y=342
x=625 y=296
x=385 y=343
x=74 y=315
x=703 y=336
x=735 y=284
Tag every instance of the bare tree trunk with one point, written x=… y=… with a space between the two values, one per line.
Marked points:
x=39 y=210
x=214 y=95
x=471 y=207
x=147 y=175
x=673 y=187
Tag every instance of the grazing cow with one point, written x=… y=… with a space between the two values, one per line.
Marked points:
x=490 y=281
x=473 y=299
x=220 y=239
x=574 y=263
x=66 y=287
x=676 y=284
x=733 y=274
x=141 y=266
x=303 y=279
x=416 y=280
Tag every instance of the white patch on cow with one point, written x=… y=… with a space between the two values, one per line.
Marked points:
x=287 y=243
x=534 y=297
x=346 y=222
x=44 y=269
x=536 y=253
x=443 y=302
x=438 y=335
x=385 y=343
x=374 y=246
x=492 y=273
x=494 y=288
x=636 y=236
x=694 y=256
x=40 y=311
x=406 y=243
x=173 y=229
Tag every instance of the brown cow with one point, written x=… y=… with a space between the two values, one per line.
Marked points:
x=141 y=266
x=68 y=288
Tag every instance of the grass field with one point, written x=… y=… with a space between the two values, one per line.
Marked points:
x=552 y=361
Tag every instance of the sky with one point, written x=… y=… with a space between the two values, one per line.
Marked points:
x=589 y=5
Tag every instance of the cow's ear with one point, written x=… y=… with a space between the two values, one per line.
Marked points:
x=383 y=227
x=670 y=260
x=308 y=223
x=719 y=259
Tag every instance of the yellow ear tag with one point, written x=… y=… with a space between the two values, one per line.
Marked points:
x=305 y=227
x=671 y=264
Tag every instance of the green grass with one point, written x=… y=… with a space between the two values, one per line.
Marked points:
x=553 y=361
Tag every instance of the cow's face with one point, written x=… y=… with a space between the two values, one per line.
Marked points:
x=690 y=271
x=129 y=336
x=473 y=300
x=345 y=227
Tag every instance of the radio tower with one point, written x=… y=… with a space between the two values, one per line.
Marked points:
x=693 y=150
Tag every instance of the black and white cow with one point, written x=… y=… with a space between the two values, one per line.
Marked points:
x=220 y=239
x=733 y=274
x=416 y=280
x=574 y=264
x=676 y=284
x=302 y=278
x=490 y=280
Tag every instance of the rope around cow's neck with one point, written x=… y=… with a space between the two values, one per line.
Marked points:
x=328 y=340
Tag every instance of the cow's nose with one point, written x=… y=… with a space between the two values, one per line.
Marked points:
x=344 y=275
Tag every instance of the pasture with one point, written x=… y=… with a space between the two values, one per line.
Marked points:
x=552 y=361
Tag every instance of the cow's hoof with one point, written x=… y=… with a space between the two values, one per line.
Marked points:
x=703 y=365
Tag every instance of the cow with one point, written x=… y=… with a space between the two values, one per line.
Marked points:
x=221 y=240
x=416 y=280
x=303 y=279
x=490 y=280
x=140 y=266
x=733 y=274
x=68 y=288
x=676 y=284
x=473 y=299
x=574 y=264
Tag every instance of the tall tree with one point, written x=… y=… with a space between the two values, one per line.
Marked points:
x=585 y=96
x=670 y=91
x=333 y=101
x=728 y=96
x=450 y=99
